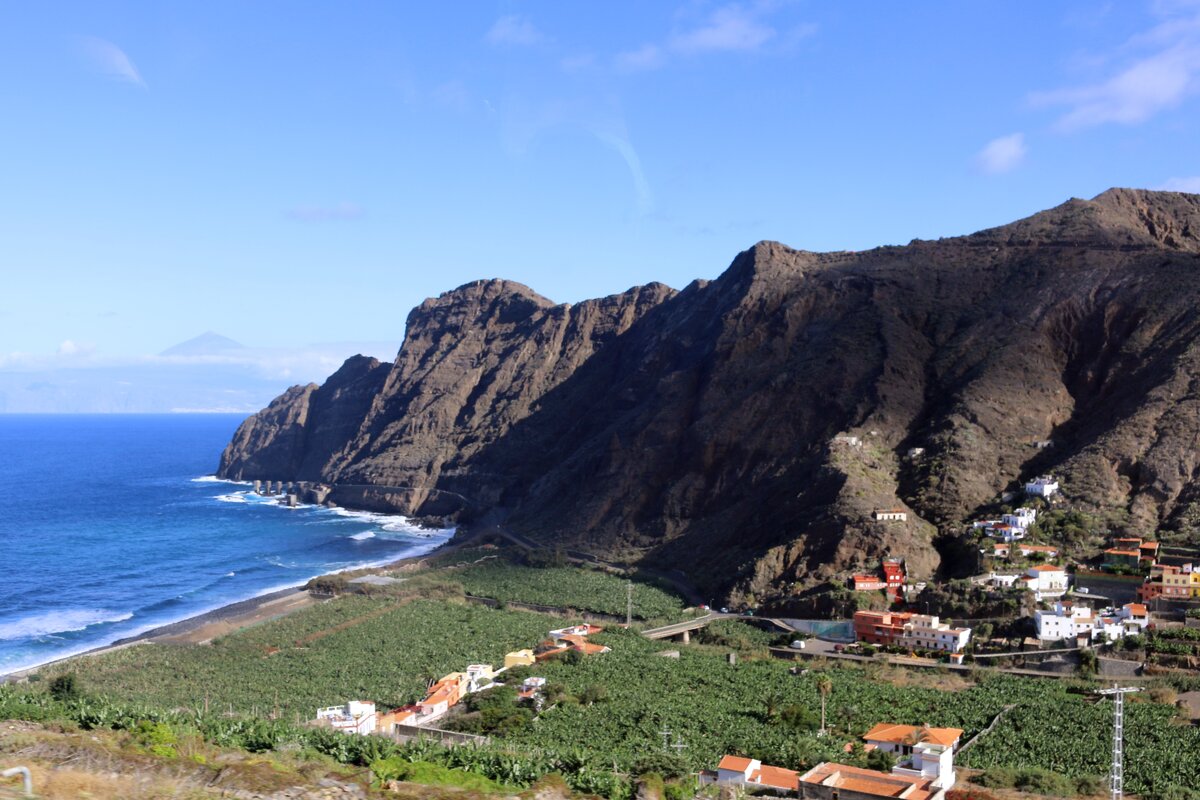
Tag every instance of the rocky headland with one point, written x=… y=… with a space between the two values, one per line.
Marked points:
x=696 y=428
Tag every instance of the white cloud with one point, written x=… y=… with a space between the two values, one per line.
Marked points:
x=72 y=349
x=732 y=27
x=1003 y=154
x=647 y=56
x=111 y=60
x=341 y=212
x=1157 y=71
x=514 y=30
x=1190 y=185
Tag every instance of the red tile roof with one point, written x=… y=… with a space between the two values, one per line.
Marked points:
x=734 y=763
x=868 y=781
x=779 y=778
x=910 y=734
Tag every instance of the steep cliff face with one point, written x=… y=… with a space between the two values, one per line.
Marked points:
x=695 y=428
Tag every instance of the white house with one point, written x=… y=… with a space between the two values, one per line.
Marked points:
x=1069 y=620
x=926 y=769
x=928 y=632
x=915 y=452
x=847 y=439
x=1043 y=486
x=1005 y=532
x=1021 y=518
x=891 y=515
x=356 y=716
x=1003 y=580
x=479 y=676
x=1045 y=549
x=750 y=772
x=1046 y=581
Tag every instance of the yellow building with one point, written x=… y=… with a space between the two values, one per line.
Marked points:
x=1196 y=585
x=1176 y=583
x=519 y=658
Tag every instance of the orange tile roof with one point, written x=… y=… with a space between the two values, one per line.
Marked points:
x=734 y=763
x=779 y=778
x=1137 y=609
x=1047 y=568
x=1112 y=551
x=868 y=781
x=907 y=734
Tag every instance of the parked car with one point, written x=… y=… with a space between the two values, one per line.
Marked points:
x=838 y=648
x=798 y=644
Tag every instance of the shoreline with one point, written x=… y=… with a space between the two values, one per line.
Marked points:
x=205 y=626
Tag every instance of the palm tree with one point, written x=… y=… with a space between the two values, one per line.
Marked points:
x=824 y=686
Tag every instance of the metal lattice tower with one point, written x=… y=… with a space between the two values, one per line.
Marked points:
x=1116 y=777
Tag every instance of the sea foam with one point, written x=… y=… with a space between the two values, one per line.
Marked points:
x=47 y=623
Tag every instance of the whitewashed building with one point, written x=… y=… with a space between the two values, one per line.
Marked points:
x=1043 y=486
x=1046 y=581
x=1071 y=620
x=356 y=716
x=891 y=515
x=930 y=633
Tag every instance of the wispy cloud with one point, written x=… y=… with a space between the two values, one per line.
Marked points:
x=1154 y=71
x=342 y=212
x=72 y=349
x=648 y=56
x=111 y=60
x=645 y=200
x=1002 y=154
x=514 y=30
x=1190 y=185
x=732 y=28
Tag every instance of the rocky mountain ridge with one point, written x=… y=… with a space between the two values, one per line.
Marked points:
x=695 y=428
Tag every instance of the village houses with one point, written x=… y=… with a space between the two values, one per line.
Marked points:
x=925 y=770
x=360 y=717
x=356 y=716
x=891 y=577
x=902 y=629
x=1073 y=621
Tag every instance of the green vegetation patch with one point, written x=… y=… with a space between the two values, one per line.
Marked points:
x=567 y=587
x=349 y=648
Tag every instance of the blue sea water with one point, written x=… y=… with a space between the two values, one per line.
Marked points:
x=112 y=524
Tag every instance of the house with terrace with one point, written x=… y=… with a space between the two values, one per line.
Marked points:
x=925 y=771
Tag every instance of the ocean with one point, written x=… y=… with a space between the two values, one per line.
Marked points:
x=113 y=524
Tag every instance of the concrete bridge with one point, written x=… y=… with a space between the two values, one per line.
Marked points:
x=683 y=630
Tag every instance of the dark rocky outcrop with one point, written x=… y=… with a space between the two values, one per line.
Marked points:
x=694 y=428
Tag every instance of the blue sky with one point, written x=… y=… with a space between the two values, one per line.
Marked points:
x=294 y=173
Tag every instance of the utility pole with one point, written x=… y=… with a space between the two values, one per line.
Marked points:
x=666 y=734
x=679 y=745
x=1117 y=775
x=628 y=603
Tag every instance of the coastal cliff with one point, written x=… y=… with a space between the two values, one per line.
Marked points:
x=696 y=428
